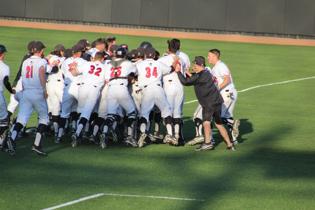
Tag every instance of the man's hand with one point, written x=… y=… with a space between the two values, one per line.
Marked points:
x=45 y=94
x=178 y=67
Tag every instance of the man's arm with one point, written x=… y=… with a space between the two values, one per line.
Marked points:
x=8 y=85
x=187 y=81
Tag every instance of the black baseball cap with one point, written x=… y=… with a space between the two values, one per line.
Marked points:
x=149 y=52
x=121 y=52
x=200 y=61
x=77 y=48
x=59 y=47
x=85 y=43
x=133 y=54
x=145 y=45
x=38 y=46
x=3 y=49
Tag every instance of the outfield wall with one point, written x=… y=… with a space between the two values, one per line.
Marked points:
x=283 y=17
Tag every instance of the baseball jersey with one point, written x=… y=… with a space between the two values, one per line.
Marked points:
x=4 y=71
x=30 y=72
x=184 y=57
x=151 y=72
x=169 y=60
x=54 y=59
x=93 y=73
x=118 y=70
x=65 y=67
x=219 y=71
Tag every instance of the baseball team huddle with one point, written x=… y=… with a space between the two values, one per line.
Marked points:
x=104 y=93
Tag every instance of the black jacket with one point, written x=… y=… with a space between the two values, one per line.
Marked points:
x=206 y=91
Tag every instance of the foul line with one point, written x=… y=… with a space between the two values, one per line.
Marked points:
x=121 y=195
x=264 y=85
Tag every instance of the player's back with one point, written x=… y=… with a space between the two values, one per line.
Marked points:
x=30 y=72
x=151 y=72
x=93 y=73
x=171 y=77
x=4 y=71
x=65 y=67
x=118 y=70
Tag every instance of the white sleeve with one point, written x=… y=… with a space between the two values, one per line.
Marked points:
x=165 y=69
x=6 y=72
x=224 y=70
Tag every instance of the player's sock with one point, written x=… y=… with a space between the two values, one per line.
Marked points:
x=168 y=123
x=81 y=124
x=143 y=125
x=177 y=127
x=62 y=123
x=55 y=120
x=131 y=124
x=97 y=124
x=15 y=130
x=41 y=129
x=198 y=126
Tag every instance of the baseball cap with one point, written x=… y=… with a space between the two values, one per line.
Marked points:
x=149 y=52
x=140 y=52
x=85 y=43
x=121 y=52
x=38 y=46
x=124 y=46
x=200 y=61
x=77 y=48
x=30 y=46
x=59 y=47
x=133 y=54
x=2 y=49
x=145 y=45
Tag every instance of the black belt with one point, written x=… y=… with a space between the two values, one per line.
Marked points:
x=156 y=84
x=170 y=80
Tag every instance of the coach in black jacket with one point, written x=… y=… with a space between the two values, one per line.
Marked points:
x=209 y=98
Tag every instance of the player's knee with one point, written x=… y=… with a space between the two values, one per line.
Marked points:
x=168 y=120
x=83 y=121
x=109 y=121
x=132 y=115
x=142 y=120
x=41 y=128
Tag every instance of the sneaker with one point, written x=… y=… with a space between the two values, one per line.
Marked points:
x=196 y=140
x=234 y=142
x=38 y=150
x=158 y=136
x=174 y=141
x=74 y=142
x=11 y=147
x=152 y=138
x=232 y=148
x=131 y=141
x=103 y=144
x=235 y=131
x=205 y=146
x=92 y=139
x=57 y=140
x=114 y=135
x=141 y=140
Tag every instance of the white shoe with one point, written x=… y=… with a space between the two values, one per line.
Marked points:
x=141 y=140
x=196 y=140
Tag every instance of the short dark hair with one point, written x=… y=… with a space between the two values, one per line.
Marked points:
x=216 y=52
x=173 y=45
x=99 y=55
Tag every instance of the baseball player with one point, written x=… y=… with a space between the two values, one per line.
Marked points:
x=55 y=85
x=117 y=73
x=174 y=91
x=70 y=92
x=227 y=89
x=93 y=78
x=33 y=96
x=150 y=74
x=100 y=45
x=4 y=82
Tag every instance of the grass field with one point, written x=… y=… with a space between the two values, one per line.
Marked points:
x=273 y=168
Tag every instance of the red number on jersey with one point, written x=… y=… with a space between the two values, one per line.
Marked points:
x=97 y=72
x=115 y=72
x=149 y=74
x=29 y=72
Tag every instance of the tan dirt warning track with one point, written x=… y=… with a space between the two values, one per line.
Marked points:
x=159 y=33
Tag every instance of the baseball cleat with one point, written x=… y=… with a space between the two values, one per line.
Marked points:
x=57 y=140
x=167 y=139
x=114 y=135
x=235 y=131
x=103 y=144
x=205 y=146
x=196 y=140
x=11 y=147
x=74 y=142
x=38 y=150
x=158 y=136
x=131 y=141
x=92 y=139
x=141 y=140
x=231 y=148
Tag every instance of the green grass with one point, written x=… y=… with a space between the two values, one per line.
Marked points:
x=274 y=167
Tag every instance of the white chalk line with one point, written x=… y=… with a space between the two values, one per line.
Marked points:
x=121 y=195
x=265 y=85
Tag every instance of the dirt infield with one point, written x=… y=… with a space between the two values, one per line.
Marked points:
x=159 y=33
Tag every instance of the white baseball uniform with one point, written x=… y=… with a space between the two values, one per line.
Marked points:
x=228 y=93
x=55 y=85
x=93 y=80
x=173 y=88
x=92 y=52
x=72 y=83
x=32 y=94
x=4 y=71
x=184 y=57
x=150 y=73
x=118 y=95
